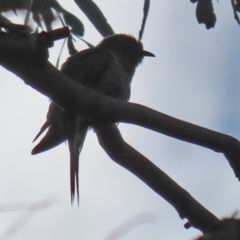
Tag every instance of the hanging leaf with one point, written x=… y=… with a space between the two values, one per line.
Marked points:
x=61 y=20
x=237 y=5
x=193 y=1
x=70 y=20
x=235 y=9
x=59 y=56
x=74 y=23
x=56 y=6
x=41 y=10
x=37 y=19
x=205 y=13
x=27 y=17
x=3 y=19
x=48 y=18
x=7 y=5
x=96 y=16
x=71 y=48
x=36 y=30
x=88 y=44
x=40 y=6
x=145 y=14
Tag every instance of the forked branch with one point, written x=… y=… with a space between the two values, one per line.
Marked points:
x=16 y=55
x=118 y=150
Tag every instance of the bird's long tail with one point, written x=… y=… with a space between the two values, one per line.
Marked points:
x=75 y=142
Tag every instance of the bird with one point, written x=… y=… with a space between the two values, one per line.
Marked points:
x=109 y=68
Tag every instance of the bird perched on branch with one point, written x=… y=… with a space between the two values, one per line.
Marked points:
x=109 y=68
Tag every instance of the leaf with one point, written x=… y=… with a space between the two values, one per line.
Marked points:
x=36 y=30
x=237 y=5
x=96 y=16
x=26 y=20
x=40 y=6
x=145 y=14
x=7 y=5
x=235 y=9
x=41 y=10
x=37 y=19
x=48 y=18
x=60 y=18
x=88 y=44
x=193 y=1
x=59 y=56
x=74 y=23
x=70 y=20
x=71 y=48
x=205 y=13
x=3 y=19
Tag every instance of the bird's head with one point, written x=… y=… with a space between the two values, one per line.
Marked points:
x=128 y=48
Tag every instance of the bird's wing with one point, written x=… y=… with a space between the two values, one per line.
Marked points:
x=100 y=70
x=85 y=67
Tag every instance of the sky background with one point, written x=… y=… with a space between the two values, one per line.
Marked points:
x=194 y=77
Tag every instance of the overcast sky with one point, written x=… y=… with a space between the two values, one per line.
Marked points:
x=194 y=77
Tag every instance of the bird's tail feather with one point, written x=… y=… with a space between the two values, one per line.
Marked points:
x=52 y=138
x=75 y=146
x=43 y=128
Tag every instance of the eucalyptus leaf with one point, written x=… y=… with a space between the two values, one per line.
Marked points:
x=205 y=13
x=74 y=23
x=145 y=15
x=96 y=16
x=71 y=48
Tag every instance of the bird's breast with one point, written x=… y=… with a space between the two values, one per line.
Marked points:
x=116 y=81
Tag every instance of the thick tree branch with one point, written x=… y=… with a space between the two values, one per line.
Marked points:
x=20 y=49
x=111 y=140
x=227 y=229
x=17 y=56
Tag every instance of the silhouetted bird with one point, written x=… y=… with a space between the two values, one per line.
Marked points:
x=109 y=68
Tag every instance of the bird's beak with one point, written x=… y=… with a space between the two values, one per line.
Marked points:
x=148 y=54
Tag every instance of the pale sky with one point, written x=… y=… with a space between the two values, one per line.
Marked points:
x=194 y=77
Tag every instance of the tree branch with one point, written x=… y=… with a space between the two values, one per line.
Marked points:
x=17 y=56
x=119 y=151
